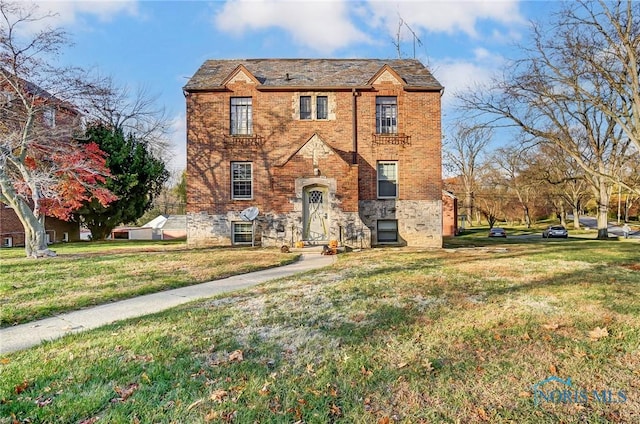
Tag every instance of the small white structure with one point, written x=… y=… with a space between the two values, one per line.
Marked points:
x=162 y=227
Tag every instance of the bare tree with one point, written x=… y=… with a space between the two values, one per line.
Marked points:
x=551 y=107
x=604 y=36
x=565 y=180
x=135 y=113
x=514 y=165
x=463 y=154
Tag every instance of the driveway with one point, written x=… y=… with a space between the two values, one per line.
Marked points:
x=614 y=229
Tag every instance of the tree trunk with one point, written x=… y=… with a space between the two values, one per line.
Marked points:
x=468 y=207
x=603 y=210
x=527 y=217
x=576 y=217
x=35 y=234
x=563 y=214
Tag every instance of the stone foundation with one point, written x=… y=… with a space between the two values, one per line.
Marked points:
x=419 y=221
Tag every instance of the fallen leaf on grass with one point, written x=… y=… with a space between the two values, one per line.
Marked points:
x=5 y=361
x=551 y=326
x=482 y=414
x=219 y=395
x=125 y=393
x=21 y=387
x=598 y=333
x=553 y=369
x=366 y=372
x=211 y=415
x=194 y=404
x=335 y=410
x=91 y=420
x=44 y=402
x=524 y=394
x=383 y=420
x=236 y=355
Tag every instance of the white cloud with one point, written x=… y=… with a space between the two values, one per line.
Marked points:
x=458 y=75
x=444 y=16
x=66 y=13
x=323 y=26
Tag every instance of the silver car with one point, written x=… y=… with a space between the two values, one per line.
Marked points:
x=555 y=231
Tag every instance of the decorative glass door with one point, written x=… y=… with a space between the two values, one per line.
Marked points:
x=316 y=226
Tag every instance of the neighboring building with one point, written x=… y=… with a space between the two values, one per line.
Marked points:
x=169 y=227
x=52 y=113
x=449 y=214
x=346 y=150
x=12 y=230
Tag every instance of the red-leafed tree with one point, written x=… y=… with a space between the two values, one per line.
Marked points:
x=44 y=170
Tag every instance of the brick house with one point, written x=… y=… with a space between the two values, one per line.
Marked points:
x=12 y=230
x=53 y=113
x=346 y=150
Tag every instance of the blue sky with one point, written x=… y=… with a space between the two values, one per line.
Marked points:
x=158 y=45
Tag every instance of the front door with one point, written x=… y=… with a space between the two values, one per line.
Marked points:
x=316 y=225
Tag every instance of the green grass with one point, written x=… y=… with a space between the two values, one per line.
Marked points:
x=85 y=274
x=386 y=335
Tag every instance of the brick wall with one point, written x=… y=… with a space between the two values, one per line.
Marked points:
x=279 y=159
x=10 y=226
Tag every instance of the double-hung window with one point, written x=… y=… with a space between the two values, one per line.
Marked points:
x=241 y=116
x=386 y=115
x=387 y=179
x=241 y=180
x=322 y=107
x=242 y=232
x=305 y=107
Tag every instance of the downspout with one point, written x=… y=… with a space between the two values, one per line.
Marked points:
x=354 y=124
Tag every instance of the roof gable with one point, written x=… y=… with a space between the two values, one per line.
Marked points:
x=240 y=74
x=386 y=74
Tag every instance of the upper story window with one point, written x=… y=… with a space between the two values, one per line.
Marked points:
x=387 y=179
x=305 y=107
x=386 y=115
x=241 y=116
x=241 y=180
x=49 y=116
x=322 y=107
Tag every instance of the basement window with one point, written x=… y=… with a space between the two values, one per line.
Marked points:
x=387 y=231
x=7 y=242
x=242 y=232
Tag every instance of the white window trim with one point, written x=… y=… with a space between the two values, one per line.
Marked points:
x=233 y=196
x=382 y=162
x=234 y=232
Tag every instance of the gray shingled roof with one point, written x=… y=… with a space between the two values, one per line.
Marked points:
x=311 y=72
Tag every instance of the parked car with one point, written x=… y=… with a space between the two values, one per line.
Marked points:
x=497 y=232
x=555 y=231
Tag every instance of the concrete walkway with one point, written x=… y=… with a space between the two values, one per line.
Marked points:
x=33 y=333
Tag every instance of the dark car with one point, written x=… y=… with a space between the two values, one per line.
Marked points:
x=497 y=232
x=555 y=231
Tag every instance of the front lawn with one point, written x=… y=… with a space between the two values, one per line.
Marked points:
x=85 y=274
x=463 y=334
